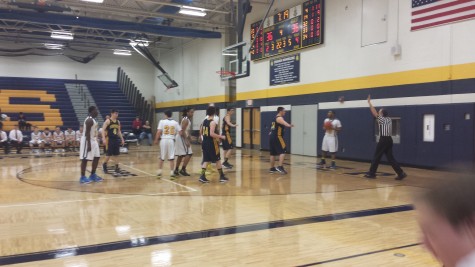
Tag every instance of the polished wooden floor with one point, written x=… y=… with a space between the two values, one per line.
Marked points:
x=257 y=219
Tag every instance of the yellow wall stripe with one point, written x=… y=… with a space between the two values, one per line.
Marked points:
x=193 y=101
x=436 y=74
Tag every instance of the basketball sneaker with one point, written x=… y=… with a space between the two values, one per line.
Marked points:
x=370 y=176
x=281 y=170
x=401 y=176
x=273 y=170
x=104 y=168
x=223 y=179
x=184 y=173
x=333 y=166
x=84 y=180
x=227 y=165
x=173 y=175
x=95 y=178
x=176 y=173
x=203 y=179
x=322 y=164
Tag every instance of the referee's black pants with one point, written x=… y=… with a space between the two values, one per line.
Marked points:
x=385 y=147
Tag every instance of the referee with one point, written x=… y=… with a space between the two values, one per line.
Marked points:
x=385 y=144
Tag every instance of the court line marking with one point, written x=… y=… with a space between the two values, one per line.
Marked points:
x=200 y=234
x=165 y=180
x=85 y=200
x=64 y=201
x=360 y=255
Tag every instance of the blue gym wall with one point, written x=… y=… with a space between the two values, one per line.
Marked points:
x=451 y=148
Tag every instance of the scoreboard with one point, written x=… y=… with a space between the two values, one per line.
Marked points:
x=289 y=30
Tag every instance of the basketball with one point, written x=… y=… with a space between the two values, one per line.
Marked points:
x=328 y=125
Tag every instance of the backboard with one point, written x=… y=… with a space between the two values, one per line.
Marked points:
x=235 y=62
x=167 y=80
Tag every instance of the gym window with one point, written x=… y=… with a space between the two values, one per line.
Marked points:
x=396 y=135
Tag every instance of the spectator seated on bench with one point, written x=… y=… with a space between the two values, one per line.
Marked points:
x=23 y=123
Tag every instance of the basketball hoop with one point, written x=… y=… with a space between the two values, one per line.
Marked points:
x=225 y=75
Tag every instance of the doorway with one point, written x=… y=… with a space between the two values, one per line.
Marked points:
x=251 y=130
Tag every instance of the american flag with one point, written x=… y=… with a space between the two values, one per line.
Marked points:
x=431 y=13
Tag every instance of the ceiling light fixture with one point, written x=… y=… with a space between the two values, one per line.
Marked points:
x=94 y=1
x=192 y=11
x=54 y=46
x=121 y=52
x=62 y=35
x=140 y=42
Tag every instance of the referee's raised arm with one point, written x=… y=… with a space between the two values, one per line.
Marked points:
x=372 y=108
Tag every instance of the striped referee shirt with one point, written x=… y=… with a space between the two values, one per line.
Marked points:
x=385 y=126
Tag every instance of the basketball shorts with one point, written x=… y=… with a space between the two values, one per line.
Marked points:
x=228 y=142
x=94 y=153
x=167 y=149
x=330 y=144
x=211 y=151
x=277 y=146
x=181 y=149
x=36 y=142
x=58 y=142
x=113 y=147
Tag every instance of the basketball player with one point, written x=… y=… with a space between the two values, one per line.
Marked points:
x=446 y=216
x=210 y=146
x=36 y=140
x=385 y=144
x=332 y=126
x=114 y=141
x=47 y=137
x=89 y=148
x=58 y=137
x=276 y=141
x=228 y=142
x=216 y=120
x=183 y=143
x=166 y=132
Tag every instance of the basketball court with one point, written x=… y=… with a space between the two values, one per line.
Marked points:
x=275 y=79
x=309 y=217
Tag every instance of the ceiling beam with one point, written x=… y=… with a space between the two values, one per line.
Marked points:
x=216 y=10
x=136 y=12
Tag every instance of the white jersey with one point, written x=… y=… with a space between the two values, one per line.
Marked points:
x=93 y=133
x=169 y=128
x=181 y=147
x=95 y=151
x=58 y=136
x=187 y=133
x=70 y=136
x=335 y=124
x=36 y=137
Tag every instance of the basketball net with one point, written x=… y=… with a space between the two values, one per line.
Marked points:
x=226 y=74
